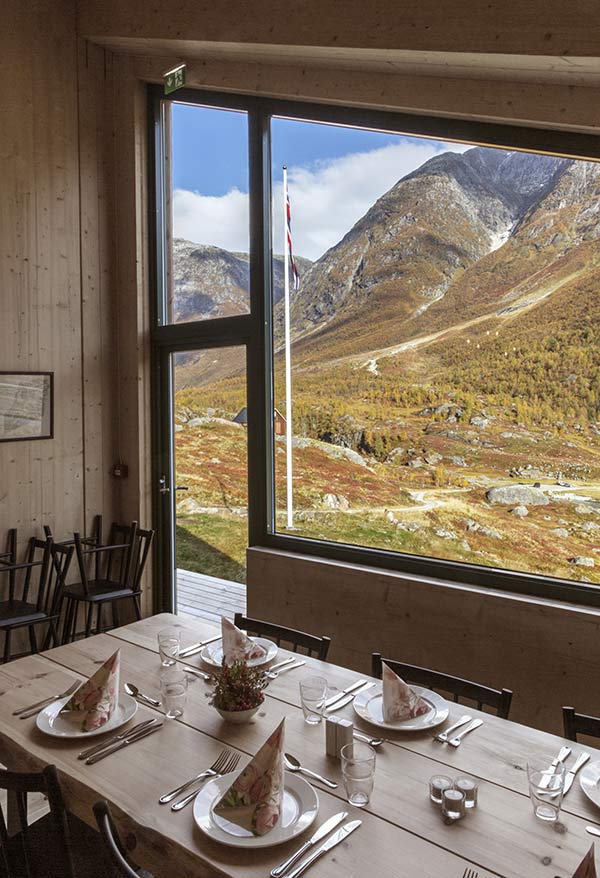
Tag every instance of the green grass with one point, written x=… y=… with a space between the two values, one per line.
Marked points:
x=213 y=544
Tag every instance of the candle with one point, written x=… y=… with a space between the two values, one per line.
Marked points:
x=467 y=786
x=453 y=804
x=437 y=785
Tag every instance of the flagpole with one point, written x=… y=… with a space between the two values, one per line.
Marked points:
x=288 y=364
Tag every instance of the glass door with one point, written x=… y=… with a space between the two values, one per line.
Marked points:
x=203 y=480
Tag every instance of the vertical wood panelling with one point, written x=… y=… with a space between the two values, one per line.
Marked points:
x=53 y=315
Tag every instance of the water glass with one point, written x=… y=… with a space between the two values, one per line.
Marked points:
x=173 y=688
x=169 y=640
x=546 y=786
x=358 y=771
x=313 y=691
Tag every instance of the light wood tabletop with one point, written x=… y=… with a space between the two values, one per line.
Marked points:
x=403 y=834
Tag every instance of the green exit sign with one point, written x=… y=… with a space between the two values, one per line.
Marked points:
x=174 y=79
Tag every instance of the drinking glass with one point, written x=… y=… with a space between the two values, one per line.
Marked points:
x=437 y=784
x=173 y=688
x=546 y=786
x=312 y=695
x=469 y=787
x=358 y=771
x=453 y=804
x=168 y=646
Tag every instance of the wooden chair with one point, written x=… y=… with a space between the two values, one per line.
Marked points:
x=57 y=845
x=117 y=572
x=498 y=699
x=318 y=647
x=94 y=539
x=579 y=724
x=113 y=844
x=29 y=605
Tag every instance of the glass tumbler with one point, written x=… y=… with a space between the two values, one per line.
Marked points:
x=312 y=696
x=173 y=689
x=546 y=787
x=358 y=771
x=168 y=646
x=437 y=784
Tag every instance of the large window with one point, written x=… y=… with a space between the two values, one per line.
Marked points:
x=430 y=307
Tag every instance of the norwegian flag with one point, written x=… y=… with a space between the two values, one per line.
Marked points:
x=288 y=213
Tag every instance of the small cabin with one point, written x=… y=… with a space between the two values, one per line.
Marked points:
x=278 y=420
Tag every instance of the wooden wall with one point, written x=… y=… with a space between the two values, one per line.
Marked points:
x=547 y=653
x=57 y=253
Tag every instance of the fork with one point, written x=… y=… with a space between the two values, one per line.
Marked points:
x=215 y=768
x=31 y=709
x=230 y=765
x=443 y=736
x=470 y=873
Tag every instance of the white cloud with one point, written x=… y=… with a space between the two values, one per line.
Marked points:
x=327 y=199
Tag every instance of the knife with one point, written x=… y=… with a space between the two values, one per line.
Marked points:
x=345 y=691
x=196 y=647
x=564 y=753
x=287 y=668
x=348 y=698
x=581 y=760
x=286 y=661
x=321 y=832
x=336 y=838
x=124 y=743
x=91 y=751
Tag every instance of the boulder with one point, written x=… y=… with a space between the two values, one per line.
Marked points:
x=445 y=534
x=432 y=458
x=476 y=421
x=458 y=461
x=520 y=511
x=189 y=506
x=178 y=428
x=561 y=532
x=582 y=509
x=411 y=526
x=520 y=495
x=390 y=516
x=334 y=501
x=582 y=561
x=416 y=462
x=490 y=532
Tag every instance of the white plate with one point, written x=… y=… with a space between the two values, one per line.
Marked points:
x=300 y=807
x=52 y=722
x=212 y=653
x=589 y=778
x=368 y=704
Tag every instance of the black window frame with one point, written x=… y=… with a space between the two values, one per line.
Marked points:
x=254 y=329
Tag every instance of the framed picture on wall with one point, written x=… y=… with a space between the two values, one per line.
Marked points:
x=26 y=405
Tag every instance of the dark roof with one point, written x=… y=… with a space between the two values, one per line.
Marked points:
x=242 y=416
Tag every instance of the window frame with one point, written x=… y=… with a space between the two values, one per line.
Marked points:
x=254 y=329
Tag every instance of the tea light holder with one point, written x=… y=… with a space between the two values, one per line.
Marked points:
x=437 y=786
x=467 y=786
x=453 y=804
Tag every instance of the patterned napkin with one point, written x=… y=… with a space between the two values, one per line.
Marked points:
x=237 y=646
x=399 y=700
x=254 y=800
x=96 y=700
x=587 y=867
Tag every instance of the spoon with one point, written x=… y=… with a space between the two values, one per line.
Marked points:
x=593 y=830
x=198 y=673
x=272 y=675
x=373 y=742
x=294 y=765
x=135 y=693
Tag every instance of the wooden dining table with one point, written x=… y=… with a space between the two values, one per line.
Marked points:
x=403 y=834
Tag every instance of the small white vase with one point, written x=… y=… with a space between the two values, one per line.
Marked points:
x=238 y=716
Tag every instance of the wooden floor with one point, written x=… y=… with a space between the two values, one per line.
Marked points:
x=206 y=597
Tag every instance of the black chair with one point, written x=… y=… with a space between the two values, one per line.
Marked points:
x=318 y=647
x=579 y=724
x=117 y=572
x=498 y=699
x=113 y=844
x=57 y=845
x=31 y=604
x=94 y=539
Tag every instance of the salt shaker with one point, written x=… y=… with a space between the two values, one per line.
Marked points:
x=345 y=734
x=331 y=746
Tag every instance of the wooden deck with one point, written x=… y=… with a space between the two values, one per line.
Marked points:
x=207 y=597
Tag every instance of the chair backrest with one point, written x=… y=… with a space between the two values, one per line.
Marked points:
x=17 y=853
x=142 y=541
x=22 y=574
x=498 y=699
x=61 y=557
x=579 y=724
x=113 y=843
x=94 y=539
x=111 y=563
x=314 y=646
x=9 y=555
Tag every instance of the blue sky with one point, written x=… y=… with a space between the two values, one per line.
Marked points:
x=335 y=175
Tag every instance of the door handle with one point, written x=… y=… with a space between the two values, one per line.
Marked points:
x=181 y=488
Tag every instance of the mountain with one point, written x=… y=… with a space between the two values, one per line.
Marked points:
x=211 y=282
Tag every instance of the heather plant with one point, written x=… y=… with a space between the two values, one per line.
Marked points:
x=239 y=687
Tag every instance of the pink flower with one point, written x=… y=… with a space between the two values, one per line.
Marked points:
x=261 y=788
x=246 y=779
x=265 y=818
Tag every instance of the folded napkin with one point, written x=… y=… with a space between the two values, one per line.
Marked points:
x=237 y=646
x=399 y=700
x=93 y=704
x=587 y=867
x=254 y=800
